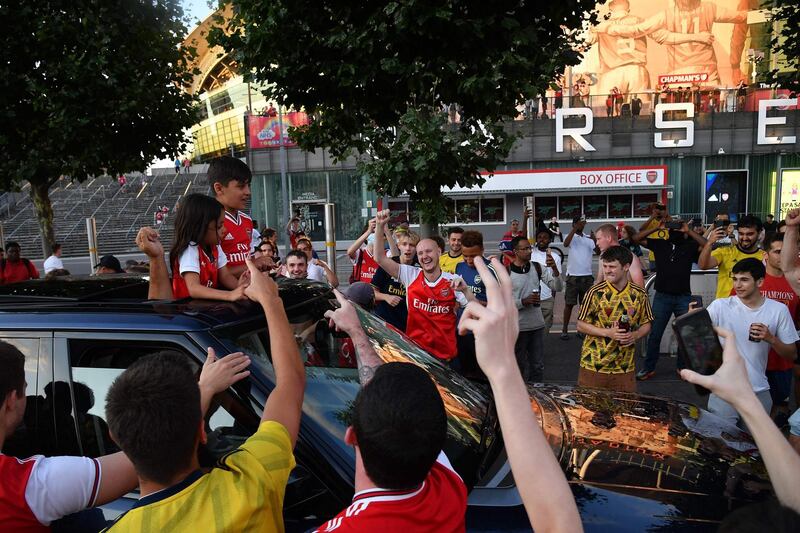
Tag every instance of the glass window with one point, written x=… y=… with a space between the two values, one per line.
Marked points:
x=220 y=102
x=467 y=211
x=620 y=206
x=492 y=210
x=30 y=437
x=546 y=206
x=398 y=212
x=569 y=207
x=641 y=204
x=595 y=206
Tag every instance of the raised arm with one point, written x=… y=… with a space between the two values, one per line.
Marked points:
x=351 y=251
x=540 y=481
x=393 y=250
x=149 y=242
x=789 y=251
x=386 y=263
x=730 y=383
x=346 y=319
x=285 y=402
x=706 y=260
x=330 y=275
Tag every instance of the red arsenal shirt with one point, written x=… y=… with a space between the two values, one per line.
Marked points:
x=431 y=311
x=19 y=271
x=194 y=259
x=368 y=265
x=237 y=243
x=777 y=288
x=439 y=505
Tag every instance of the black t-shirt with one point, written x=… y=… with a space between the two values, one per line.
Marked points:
x=674 y=264
x=386 y=284
x=771 y=227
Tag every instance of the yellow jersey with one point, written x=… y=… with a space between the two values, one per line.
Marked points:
x=243 y=493
x=602 y=307
x=448 y=264
x=726 y=257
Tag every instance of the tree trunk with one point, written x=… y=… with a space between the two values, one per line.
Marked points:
x=40 y=195
x=428 y=229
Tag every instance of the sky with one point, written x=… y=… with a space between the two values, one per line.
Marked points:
x=197 y=10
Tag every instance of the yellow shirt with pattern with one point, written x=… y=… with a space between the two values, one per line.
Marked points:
x=602 y=307
x=448 y=264
x=244 y=493
x=727 y=256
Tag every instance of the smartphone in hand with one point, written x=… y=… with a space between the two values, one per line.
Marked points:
x=698 y=344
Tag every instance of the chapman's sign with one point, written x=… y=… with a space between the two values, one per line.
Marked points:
x=673 y=126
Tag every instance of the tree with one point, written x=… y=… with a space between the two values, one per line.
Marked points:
x=87 y=85
x=785 y=42
x=385 y=80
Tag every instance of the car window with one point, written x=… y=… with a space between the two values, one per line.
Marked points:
x=30 y=438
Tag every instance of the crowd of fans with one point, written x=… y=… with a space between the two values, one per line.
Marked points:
x=485 y=318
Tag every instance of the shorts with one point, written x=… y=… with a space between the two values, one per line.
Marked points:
x=577 y=287
x=780 y=385
x=598 y=380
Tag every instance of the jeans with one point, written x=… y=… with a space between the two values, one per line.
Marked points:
x=664 y=306
x=726 y=411
x=529 y=350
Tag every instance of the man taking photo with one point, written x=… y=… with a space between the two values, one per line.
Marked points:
x=674 y=258
x=749 y=228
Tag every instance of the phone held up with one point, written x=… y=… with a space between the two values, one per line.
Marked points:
x=698 y=343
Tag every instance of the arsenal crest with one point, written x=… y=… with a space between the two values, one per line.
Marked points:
x=651 y=176
x=444 y=293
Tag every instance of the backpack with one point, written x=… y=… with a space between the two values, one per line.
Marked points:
x=356 y=274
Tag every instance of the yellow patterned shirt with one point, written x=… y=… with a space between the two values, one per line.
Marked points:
x=602 y=307
x=448 y=264
x=244 y=493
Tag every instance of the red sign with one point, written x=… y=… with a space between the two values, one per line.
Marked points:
x=265 y=131
x=682 y=79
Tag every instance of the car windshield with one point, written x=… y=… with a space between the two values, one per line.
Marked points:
x=332 y=377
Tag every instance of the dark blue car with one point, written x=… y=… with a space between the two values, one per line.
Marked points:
x=634 y=463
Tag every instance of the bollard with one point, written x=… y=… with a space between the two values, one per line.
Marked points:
x=530 y=228
x=2 y=236
x=91 y=234
x=330 y=234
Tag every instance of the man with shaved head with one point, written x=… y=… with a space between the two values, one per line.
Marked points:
x=432 y=296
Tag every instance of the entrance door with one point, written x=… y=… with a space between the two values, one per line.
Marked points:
x=312 y=216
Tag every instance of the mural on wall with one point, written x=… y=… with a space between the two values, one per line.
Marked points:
x=647 y=44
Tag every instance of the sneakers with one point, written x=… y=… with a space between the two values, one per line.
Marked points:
x=565 y=336
x=644 y=374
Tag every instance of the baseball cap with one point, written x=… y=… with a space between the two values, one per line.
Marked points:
x=361 y=293
x=578 y=218
x=109 y=261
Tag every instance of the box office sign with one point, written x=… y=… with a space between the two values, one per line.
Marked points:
x=578 y=179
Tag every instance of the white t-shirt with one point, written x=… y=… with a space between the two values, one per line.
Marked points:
x=540 y=257
x=190 y=259
x=316 y=272
x=52 y=263
x=730 y=313
x=255 y=240
x=579 y=262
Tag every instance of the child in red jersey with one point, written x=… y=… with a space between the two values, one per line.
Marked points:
x=199 y=266
x=229 y=178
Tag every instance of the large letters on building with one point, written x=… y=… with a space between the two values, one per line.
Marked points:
x=662 y=123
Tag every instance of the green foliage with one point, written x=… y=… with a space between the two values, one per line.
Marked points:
x=377 y=77
x=786 y=41
x=87 y=85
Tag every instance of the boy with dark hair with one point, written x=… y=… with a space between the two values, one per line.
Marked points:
x=753 y=319
x=162 y=443
x=229 y=179
x=454 y=256
x=296 y=265
x=471 y=247
x=608 y=349
x=38 y=490
x=14 y=268
x=403 y=480
x=749 y=229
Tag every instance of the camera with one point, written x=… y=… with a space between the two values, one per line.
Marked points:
x=721 y=223
x=674 y=225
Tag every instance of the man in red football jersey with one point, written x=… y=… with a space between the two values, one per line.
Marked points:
x=403 y=481
x=431 y=295
x=229 y=178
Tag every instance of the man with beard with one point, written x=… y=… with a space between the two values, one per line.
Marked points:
x=674 y=258
x=432 y=295
x=551 y=265
x=749 y=228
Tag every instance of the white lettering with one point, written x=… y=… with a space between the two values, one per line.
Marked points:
x=764 y=121
x=431 y=307
x=576 y=133
x=661 y=123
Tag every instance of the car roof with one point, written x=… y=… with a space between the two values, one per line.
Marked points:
x=119 y=302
